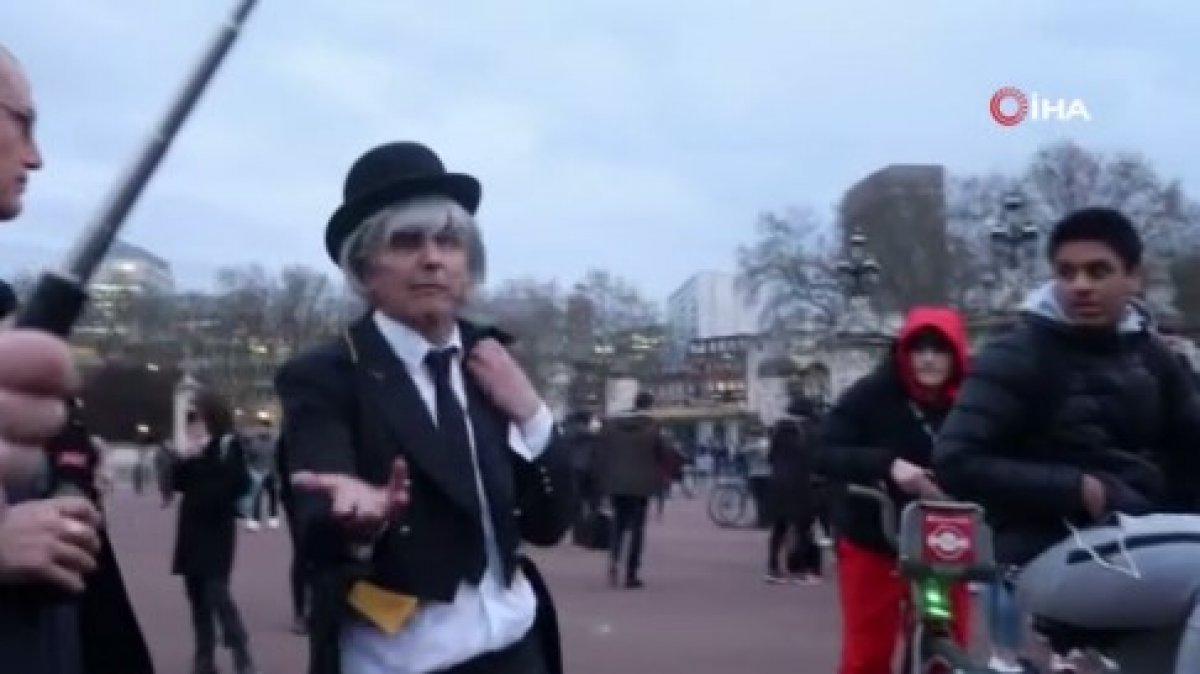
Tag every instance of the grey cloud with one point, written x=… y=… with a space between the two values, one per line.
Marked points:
x=640 y=136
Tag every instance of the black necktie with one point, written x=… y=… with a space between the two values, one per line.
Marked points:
x=451 y=421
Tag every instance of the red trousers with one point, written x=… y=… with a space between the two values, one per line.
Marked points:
x=873 y=597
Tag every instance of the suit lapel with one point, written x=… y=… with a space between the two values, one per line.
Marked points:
x=392 y=391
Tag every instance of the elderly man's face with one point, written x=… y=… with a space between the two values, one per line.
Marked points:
x=420 y=279
x=18 y=152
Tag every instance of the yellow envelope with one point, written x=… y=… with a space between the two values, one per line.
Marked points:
x=386 y=610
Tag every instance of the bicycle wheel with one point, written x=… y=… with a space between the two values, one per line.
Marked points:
x=726 y=505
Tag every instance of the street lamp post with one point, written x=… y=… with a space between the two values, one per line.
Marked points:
x=861 y=336
x=1014 y=239
x=859 y=271
x=185 y=394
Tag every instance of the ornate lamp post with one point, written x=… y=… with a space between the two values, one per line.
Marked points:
x=1014 y=237
x=861 y=336
x=859 y=270
x=1014 y=241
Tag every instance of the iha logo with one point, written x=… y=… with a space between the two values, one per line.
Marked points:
x=1010 y=106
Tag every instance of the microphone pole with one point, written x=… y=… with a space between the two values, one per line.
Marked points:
x=58 y=299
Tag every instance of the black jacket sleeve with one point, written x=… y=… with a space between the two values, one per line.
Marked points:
x=1182 y=401
x=315 y=393
x=214 y=480
x=973 y=457
x=546 y=493
x=843 y=453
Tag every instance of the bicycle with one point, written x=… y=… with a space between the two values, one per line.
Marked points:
x=943 y=542
x=730 y=503
x=940 y=543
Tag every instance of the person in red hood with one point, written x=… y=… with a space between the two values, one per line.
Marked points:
x=881 y=430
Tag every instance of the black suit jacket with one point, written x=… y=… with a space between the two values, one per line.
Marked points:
x=350 y=407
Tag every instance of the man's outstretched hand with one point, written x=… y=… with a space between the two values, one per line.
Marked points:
x=362 y=509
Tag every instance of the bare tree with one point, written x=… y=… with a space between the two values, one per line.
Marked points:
x=305 y=308
x=616 y=303
x=533 y=312
x=1064 y=177
x=791 y=270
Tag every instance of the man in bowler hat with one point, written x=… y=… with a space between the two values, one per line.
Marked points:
x=421 y=454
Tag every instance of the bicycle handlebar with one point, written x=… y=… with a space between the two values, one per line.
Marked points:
x=887 y=510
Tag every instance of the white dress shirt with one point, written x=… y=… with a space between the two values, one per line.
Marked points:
x=481 y=619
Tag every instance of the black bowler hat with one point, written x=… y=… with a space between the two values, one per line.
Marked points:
x=392 y=173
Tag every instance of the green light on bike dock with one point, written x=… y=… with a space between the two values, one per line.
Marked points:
x=937 y=603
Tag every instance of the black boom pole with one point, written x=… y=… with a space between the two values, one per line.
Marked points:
x=59 y=297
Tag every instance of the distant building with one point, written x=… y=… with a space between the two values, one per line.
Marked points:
x=708 y=305
x=635 y=352
x=901 y=209
x=127 y=277
x=130 y=268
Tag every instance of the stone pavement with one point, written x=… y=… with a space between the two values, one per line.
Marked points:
x=705 y=609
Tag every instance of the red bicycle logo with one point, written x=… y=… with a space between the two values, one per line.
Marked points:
x=949 y=538
x=1018 y=99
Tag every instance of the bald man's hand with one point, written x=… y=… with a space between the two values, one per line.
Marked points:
x=36 y=375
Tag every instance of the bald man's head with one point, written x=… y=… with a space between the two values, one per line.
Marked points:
x=12 y=76
x=18 y=152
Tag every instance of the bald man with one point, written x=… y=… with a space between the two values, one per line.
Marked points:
x=48 y=546
x=18 y=151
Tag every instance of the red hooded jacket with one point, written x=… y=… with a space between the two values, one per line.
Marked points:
x=950 y=324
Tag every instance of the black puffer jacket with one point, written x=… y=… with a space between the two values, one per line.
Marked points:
x=1046 y=404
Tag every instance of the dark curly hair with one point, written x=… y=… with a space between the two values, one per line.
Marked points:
x=216 y=413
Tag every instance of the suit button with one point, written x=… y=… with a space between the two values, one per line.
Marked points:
x=405 y=529
x=549 y=489
x=516 y=512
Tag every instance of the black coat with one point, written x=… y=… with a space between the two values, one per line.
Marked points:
x=42 y=631
x=211 y=484
x=871 y=425
x=1047 y=403
x=350 y=407
x=790 y=492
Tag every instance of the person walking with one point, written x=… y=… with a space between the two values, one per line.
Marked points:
x=791 y=502
x=629 y=467
x=211 y=476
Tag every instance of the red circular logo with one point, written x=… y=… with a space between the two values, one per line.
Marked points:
x=1018 y=98
x=948 y=542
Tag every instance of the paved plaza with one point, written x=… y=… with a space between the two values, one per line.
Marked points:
x=705 y=609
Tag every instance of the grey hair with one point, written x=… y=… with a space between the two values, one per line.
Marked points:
x=430 y=214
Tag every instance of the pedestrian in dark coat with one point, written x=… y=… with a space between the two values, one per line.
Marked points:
x=791 y=500
x=211 y=475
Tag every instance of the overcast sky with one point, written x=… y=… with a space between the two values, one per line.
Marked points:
x=638 y=136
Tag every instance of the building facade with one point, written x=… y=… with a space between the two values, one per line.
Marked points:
x=707 y=305
x=128 y=282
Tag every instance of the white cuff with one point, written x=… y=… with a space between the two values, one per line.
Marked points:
x=530 y=439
